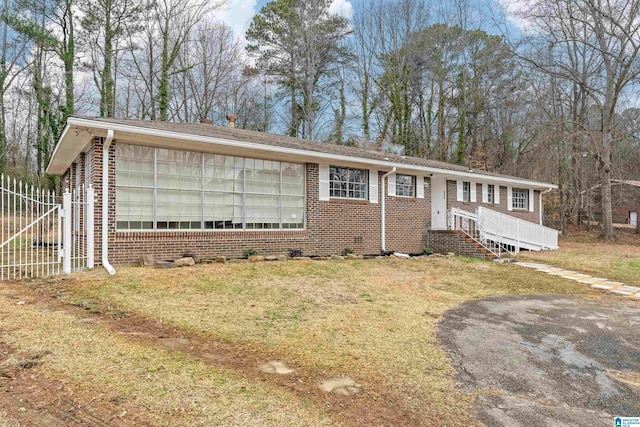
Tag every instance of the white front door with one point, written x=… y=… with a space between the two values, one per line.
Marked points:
x=633 y=218
x=438 y=203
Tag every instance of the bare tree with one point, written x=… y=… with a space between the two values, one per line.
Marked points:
x=608 y=33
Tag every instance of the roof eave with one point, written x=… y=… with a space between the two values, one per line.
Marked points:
x=58 y=166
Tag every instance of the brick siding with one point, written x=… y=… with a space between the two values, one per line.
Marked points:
x=331 y=225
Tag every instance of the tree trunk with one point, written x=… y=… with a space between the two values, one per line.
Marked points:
x=605 y=187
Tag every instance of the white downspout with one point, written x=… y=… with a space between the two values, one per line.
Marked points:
x=540 y=203
x=382 y=220
x=105 y=203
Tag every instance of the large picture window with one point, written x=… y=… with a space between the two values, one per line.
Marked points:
x=348 y=183
x=520 y=198
x=180 y=190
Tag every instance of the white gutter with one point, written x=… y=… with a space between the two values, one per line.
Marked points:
x=139 y=130
x=540 y=203
x=382 y=219
x=105 y=203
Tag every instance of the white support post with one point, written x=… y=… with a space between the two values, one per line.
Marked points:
x=66 y=245
x=89 y=215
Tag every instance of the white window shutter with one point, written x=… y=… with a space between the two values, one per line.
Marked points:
x=509 y=199
x=474 y=197
x=496 y=194
x=419 y=187
x=460 y=196
x=323 y=190
x=531 y=200
x=373 y=186
x=485 y=193
x=391 y=184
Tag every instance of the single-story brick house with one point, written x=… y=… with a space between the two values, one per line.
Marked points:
x=211 y=190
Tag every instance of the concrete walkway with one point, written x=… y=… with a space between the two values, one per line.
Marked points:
x=619 y=288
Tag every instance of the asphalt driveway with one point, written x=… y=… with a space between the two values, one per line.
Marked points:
x=547 y=360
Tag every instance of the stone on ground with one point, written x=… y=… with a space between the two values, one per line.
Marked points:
x=256 y=258
x=146 y=260
x=337 y=257
x=276 y=367
x=271 y=258
x=344 y=386
x=184 y=262
x=221 y=259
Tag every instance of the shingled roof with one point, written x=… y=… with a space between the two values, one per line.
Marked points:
x=74 y=139
x=224 y=132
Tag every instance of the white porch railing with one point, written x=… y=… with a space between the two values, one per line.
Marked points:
x=499 y=232
x=516 y=232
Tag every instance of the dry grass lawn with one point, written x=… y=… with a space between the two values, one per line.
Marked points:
x=373 y=320
x=585 y=253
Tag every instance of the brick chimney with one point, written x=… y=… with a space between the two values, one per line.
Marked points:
x=232 y=120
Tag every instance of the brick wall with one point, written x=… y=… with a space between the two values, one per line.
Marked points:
x=331 y=226
x=452 y=202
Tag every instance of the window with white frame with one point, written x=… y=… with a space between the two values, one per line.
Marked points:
x=491 y=191
x=181 y=190
x=466 y=191
x=405 y=185
x=520 y=198
x=348 y=183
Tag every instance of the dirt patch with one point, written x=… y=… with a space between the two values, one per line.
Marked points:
x=28 y=398
x=375 y=407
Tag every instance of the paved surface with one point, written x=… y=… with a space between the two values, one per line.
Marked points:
x=618 y=288
x=547 y=360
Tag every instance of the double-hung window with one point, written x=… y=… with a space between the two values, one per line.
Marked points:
x=405 y=185
x=466 y=191
x=491 y=193
x=348 y=183
x=520 y=198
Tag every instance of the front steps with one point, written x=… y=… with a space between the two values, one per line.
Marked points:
x=458 y=242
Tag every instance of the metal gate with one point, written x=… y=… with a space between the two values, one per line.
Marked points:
x=43 y=234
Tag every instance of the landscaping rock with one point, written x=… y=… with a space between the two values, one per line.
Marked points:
x=184 y=262
x=276 y=367
x=321 y=258
x=256 y=258
x=237 y=260
x=352 y=256
x=164 y=264
x=401 y=255
x=282 y=257
x=451 y=254
x=271 y=258
x=344 y=386
x=221 y=259
x=146 y=260
x=337 y=257
x=301 y=258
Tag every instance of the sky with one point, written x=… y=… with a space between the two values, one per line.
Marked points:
x=238 y=13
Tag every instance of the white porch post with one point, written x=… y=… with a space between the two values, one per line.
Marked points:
x=66 y=243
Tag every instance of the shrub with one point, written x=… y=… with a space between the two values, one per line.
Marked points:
x=427 y=251
x=294 y=253
x=346 y=251
x=249 y=252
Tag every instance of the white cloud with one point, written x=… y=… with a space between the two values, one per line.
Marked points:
x=342 y=8
x=237 y=14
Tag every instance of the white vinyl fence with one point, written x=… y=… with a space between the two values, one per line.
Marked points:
x=43 y=234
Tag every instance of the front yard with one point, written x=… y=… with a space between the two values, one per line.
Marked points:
x=183 y=346
x=583 y=252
